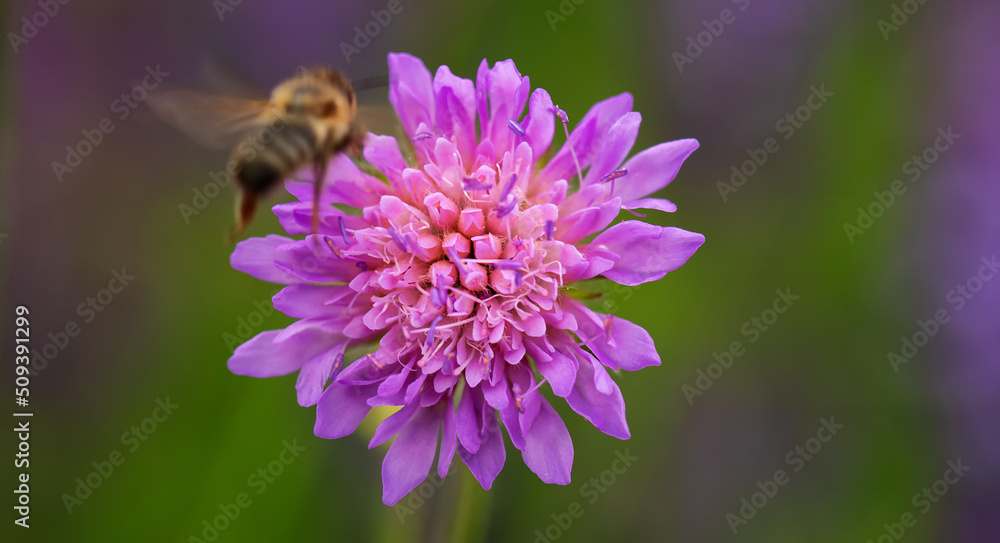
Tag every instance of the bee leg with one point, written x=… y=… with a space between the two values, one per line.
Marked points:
x=319 y=169
x=246 y=205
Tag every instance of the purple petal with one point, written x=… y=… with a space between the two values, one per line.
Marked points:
x=467 y=421
x=646 y=252
x=548 y=450
x=576 y=226
x=595 y=124
x=280 y=352
x=510 y=417
x=410 y=91
x=658 y=204
x=383 y=153
x=618 y=343
x=449 y=441
x=392 y=424
x=348 y=185
x=652 y=169
x=296 y=218
x=257 y=256
x=341 y=409
x=303 y=300
x=409 y=459
x=482 y=100
x=617 y=144
x=486 y=463
x=605 y=411
x=590 y=265
x=464 y=89
x=456 y=110
x=316 y=372
x=540 y=124
x=559 y=370
x=312 y=260
x=502 y=83
x=525 y=395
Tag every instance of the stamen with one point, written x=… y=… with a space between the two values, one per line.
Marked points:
x=561 y=114
x=446 y=326
x=508 y=264
x=422 y=136
x=612 y=176
x=508 y=187
x=516 y=389
x=343 y=230
x=565 y=120
x=462 y=292
x=362 y=266
x=470 y=184
x=449 y=362
x=518 y=242
x=518 y=278
x=507 y=207
x=607 y=327
x=399 y=239
x=430 y=331
x=435 y=297
x=550 y=230
x=515 y=128
x=336 y=251
x=453 y=256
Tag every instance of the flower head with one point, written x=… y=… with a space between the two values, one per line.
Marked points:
x=458 y=265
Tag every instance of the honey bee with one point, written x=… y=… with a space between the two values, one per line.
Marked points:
x=308 y=119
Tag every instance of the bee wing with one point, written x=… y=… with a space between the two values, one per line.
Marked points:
x=213 y=121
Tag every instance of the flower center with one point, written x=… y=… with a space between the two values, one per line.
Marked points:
x=477 y=265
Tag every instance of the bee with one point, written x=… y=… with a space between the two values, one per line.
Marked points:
x=308 y=119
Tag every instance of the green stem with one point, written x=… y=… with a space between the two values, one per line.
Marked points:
x=471 y=511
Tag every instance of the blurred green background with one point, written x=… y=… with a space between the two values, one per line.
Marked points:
x=165 y=335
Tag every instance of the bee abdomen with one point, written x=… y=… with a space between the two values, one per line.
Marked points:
x=289 y=148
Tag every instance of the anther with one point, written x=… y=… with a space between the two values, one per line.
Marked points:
x=561 y=114
x=336 y=251
x=399 y=239
x=515 y=128
x=508 y=265
x=430 y=332
x=508 y=187
x=343 y=230
x=470 y=184
x=612 y=176
x=507 y=207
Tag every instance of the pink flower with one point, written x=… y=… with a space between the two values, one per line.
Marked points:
x=457 y=265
